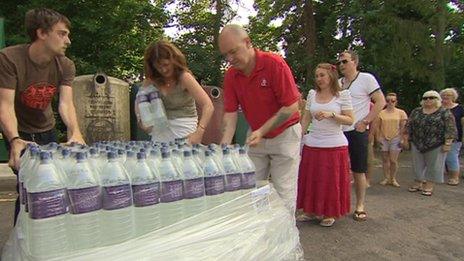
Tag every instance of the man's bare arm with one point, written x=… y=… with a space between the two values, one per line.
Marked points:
x=229 y=124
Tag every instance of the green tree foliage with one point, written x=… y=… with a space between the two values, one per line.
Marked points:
x=107 y=36
x=200 y=22
x=410 y=46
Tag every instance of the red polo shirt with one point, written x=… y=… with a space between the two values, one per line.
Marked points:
x=268 y=88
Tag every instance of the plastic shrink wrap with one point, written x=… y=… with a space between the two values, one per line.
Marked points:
x=253 y=226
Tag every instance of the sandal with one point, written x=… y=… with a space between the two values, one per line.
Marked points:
x=395 y=183
x=303 y=218
x=453 y=182
x=384 y=182
x=427 y=193
x=327 y=222
x=415 y=189
x=359 y=215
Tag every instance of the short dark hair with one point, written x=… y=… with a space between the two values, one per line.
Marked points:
x=354 y=55
x=45 y=19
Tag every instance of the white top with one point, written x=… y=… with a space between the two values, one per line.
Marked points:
x=177 y=128
x=327 y=133
x=360 y=88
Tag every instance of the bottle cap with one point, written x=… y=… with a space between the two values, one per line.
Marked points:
x=141 y=155
x=80 y=156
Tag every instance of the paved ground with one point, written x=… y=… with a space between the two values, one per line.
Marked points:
x=401 y=225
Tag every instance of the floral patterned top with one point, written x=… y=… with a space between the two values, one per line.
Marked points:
x=429 y=131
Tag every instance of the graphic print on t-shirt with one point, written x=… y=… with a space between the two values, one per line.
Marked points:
x=38 y=95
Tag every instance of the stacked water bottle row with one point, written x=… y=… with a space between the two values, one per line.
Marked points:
x=82 y=197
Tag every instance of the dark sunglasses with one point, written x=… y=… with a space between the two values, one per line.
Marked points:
x=391 y=101
x=342 y=61
x=428 y=98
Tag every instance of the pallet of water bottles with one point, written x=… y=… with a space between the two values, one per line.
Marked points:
x=113 y=200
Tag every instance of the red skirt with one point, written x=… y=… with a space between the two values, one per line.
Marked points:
x=324 y=181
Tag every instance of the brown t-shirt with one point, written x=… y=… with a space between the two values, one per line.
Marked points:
x=35 y=86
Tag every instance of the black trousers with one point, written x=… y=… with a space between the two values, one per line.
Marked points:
x=41 y=138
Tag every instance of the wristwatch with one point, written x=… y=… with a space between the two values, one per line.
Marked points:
x=333 y=115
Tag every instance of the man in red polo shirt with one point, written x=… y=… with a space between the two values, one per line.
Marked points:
x=262 y=84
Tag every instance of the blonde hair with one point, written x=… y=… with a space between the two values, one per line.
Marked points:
x=451 y=91
x=333 y=75
x=432 y=93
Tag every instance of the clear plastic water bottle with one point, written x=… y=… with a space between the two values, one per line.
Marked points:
x=176 y=159
x=30 y=167
x=154 y=159
x=233 y=175
x=197 y=158
x=24 y=172
x=51 y=147
x=131 y=161
x=194 y=186
x=146 y=190
x=95 y=162
x=122 y=156
x=214 y=182
x=47 y=221
x=65 y=163
x=217 y=157
x=171 y=191
x=117 y=214
x=85 y=205
x=157 y=108
x=248 y=171
x=145 y=111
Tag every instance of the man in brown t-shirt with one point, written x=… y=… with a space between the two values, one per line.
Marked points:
x=30 y=75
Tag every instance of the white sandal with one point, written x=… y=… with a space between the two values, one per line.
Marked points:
x=327 y=222
x=303 y=218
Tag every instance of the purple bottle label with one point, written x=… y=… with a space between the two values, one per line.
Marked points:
x=142 y=98
x=146 y=194
x=47 y=204
x=116 y=197
x=233 y=182
x=214 y=185
x=85 y=199
x=172 y=191
x=248 y=180
x=153 y=95
x=194 y=188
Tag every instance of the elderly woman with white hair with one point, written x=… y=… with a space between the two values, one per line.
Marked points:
x=431 y=129
x=449 y=97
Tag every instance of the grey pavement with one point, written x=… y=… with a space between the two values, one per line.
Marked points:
x=401 y=225
x=7 y=178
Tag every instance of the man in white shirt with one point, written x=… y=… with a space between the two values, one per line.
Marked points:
x=364 y=88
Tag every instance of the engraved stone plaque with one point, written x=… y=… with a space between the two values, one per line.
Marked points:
x=102 y=107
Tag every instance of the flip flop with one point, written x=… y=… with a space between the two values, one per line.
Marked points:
x=360 y=215
x=304 y=218
x=327 y=222
x=414 y=189
x=427 y=193
x=453 y=182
